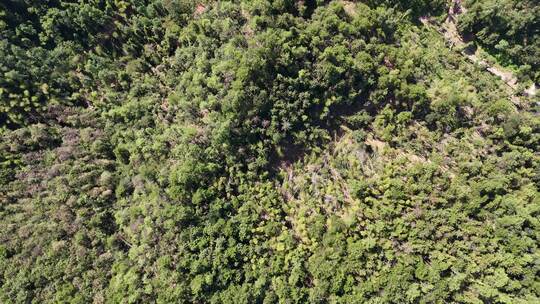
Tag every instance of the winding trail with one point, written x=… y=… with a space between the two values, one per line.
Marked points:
x=448 y=29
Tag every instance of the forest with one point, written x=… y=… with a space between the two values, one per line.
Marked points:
x=269 y=151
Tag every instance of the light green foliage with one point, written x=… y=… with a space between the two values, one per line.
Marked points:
x=259 y=152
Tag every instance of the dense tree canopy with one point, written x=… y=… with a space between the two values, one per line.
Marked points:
x=170 y=151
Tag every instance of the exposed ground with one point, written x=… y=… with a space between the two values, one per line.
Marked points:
x=450 y=32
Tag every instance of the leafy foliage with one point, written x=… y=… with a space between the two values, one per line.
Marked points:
x=508 y=28
x=258 y=152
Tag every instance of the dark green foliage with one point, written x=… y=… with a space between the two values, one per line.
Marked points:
x=415 y=8
x=509 y=28
x=258 y=152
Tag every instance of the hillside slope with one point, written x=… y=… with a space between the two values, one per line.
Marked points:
x=259 y=152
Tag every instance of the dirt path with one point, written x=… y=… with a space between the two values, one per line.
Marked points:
x=450 y=32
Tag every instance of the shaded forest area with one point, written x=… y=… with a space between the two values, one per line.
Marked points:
x=172 y=151
x=509 y=29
